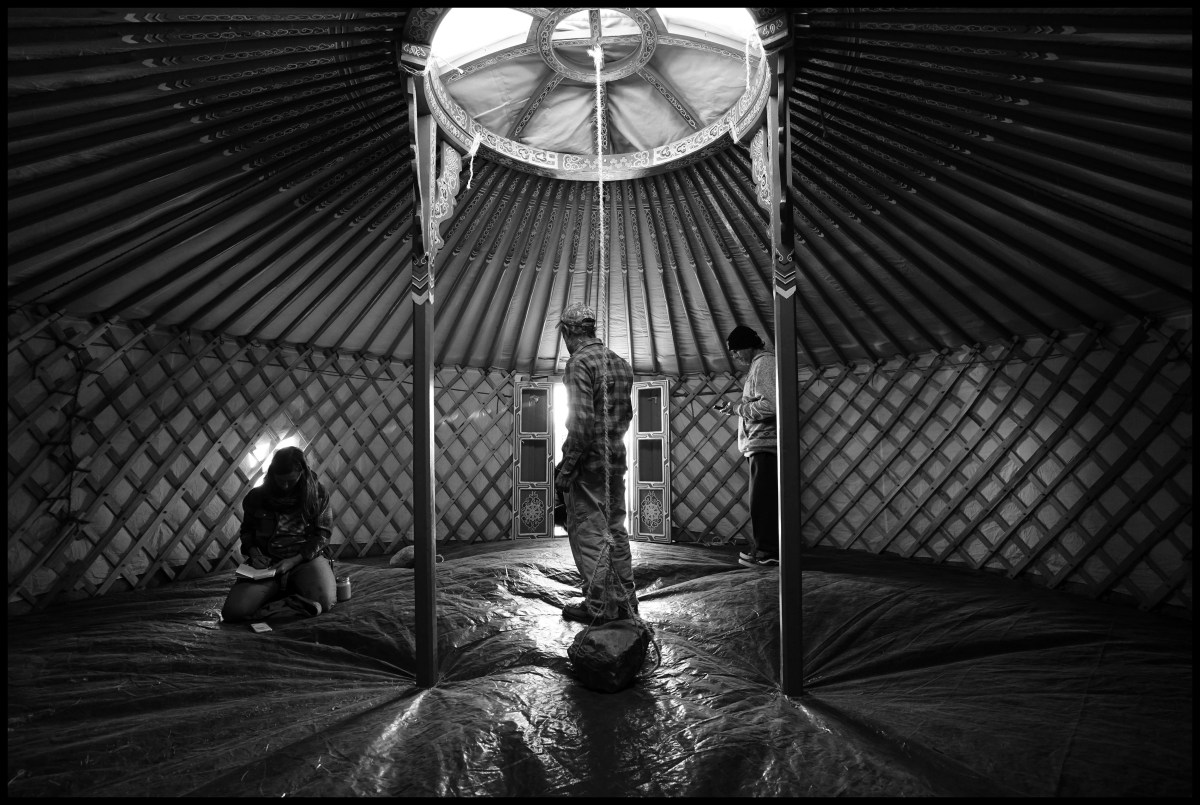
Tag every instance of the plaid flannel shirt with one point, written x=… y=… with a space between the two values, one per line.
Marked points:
x=586 y=370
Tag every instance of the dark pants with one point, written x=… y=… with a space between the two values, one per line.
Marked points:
x=313 y=580
x=764 y=504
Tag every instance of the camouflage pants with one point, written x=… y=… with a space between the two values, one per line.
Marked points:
x=586 y=527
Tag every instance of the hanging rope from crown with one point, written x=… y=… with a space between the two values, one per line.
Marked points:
x=595 y=660
x=597 y=54
x=612 y=583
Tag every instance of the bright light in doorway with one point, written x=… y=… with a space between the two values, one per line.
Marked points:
x=560 y=418
x=560 y=436
x=560 y=432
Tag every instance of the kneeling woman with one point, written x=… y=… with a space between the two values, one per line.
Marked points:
x=286 y=525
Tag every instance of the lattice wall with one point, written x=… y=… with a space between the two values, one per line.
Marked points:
x=709 y=481
x=1066 y=462
x=130 y=449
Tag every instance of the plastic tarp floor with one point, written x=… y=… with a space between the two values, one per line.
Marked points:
x=920 y=681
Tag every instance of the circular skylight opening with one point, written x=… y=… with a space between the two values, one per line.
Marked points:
x=674 y=84
x=601 y=26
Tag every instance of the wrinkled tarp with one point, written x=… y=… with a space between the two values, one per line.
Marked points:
x=920 y=680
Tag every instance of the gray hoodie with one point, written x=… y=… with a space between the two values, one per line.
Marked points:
x=756 y=409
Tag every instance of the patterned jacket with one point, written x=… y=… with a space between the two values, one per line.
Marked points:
x=278 y=528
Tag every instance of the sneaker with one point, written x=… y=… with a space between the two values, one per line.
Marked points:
x=307 y=606
x=762 y=561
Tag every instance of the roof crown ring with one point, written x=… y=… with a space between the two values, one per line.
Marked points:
x=626 y=66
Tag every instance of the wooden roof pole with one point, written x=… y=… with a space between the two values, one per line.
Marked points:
x=423 y=130
x=787 y=392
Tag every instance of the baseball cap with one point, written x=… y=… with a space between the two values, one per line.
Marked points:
x=577 y=313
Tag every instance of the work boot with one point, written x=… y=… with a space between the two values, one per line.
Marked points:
x=581 y=613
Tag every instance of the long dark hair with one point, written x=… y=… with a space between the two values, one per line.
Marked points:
x=291 y=459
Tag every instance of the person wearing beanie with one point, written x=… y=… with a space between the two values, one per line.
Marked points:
x=599 y=409
x=757 y=442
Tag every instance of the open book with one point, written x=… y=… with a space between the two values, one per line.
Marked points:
x=254 y=572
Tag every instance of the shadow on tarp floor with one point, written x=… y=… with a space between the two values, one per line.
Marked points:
x=919 y=681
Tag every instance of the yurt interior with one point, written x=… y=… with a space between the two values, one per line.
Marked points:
x=347 y=238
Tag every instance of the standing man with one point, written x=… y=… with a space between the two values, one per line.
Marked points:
x=756 y=441
x=590 y=479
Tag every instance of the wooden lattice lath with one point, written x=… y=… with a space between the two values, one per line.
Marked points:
x=1065 y=461
x=708 y=475
x=473 y=433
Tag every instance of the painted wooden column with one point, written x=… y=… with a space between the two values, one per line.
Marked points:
x=424 y=136
x=787 y=399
